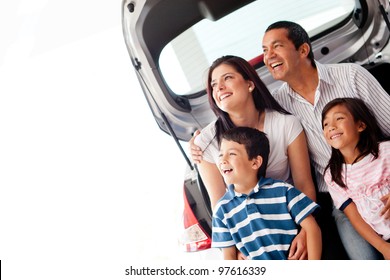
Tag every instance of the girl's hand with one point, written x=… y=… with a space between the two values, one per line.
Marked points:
x=386 y=209
x=386 y=251
x=195 y=151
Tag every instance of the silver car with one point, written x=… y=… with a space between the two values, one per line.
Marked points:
x=172 y=43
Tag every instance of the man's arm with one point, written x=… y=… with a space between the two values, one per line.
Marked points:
x=370 y=90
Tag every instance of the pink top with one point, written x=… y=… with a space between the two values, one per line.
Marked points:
x=367 y=181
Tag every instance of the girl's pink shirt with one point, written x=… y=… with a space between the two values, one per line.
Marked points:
x=367 y=181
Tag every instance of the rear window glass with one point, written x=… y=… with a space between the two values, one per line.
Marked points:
x=185 y=60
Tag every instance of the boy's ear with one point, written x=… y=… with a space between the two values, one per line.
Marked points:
x=257 y=162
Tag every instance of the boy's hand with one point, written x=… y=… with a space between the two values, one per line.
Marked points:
x=298 y=248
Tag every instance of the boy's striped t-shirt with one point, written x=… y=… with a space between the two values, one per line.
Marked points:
x=262 y=224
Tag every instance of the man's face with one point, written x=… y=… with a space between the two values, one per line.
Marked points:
x=280 y=55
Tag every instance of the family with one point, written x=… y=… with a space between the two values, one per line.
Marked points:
x=304 y=172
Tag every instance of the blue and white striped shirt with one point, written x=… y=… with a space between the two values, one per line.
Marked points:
x=262 y=224
x=335 y=80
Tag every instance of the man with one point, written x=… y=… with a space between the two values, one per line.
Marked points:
x=308 y=87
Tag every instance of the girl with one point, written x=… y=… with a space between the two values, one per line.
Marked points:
x=358 y=172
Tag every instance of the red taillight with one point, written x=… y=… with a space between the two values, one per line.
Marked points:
x=194 y=238
x=256 y=60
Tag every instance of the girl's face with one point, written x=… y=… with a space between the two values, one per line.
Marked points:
x=230 y=90
x=340 y=129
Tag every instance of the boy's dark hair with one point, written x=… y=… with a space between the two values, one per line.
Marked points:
x=262 y=97
x=296 y=34
x=369 y=137
x=255 y=141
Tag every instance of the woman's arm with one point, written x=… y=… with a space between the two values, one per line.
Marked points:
x=213 y=181
x=298 y=157
x=366 y=231
x=209 y=172
x=314 y=241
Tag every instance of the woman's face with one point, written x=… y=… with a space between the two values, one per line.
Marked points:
x=229 y=89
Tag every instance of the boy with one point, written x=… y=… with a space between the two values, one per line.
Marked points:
x=258 y=215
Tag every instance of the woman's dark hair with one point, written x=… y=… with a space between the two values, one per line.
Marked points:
x=369 y=138
x=296 y=34
x=261 y=95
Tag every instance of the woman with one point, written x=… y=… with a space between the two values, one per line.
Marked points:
x=238 y=97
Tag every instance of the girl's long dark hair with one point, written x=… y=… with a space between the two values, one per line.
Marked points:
x=261 y=95
x=369 y=138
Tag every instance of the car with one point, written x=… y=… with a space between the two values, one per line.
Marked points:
x=171 y=44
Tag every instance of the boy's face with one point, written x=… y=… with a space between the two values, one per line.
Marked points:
x=234 y=164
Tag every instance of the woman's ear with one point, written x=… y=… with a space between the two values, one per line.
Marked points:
x=251 y=86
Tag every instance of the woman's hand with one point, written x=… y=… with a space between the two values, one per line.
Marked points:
x=386 y=209
x=298 y=248
x=195 y=151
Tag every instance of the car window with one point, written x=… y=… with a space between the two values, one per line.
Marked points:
x=184 y=61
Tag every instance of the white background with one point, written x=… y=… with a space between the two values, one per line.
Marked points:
x=89 y=183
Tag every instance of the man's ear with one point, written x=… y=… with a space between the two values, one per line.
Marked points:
x=257 y=162
x=304 y=49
